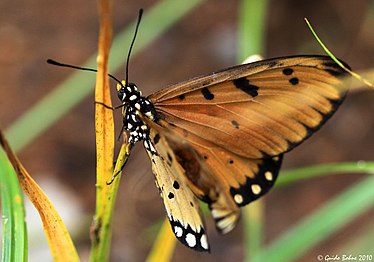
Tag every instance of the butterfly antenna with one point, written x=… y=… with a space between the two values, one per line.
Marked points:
x=132 y=44
x=54 y=62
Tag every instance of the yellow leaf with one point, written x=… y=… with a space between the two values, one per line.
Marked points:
x=104 y=124
x=58 y=237
x=104 y=127
x=164 y=245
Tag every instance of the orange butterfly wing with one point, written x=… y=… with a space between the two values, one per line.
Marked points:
x=256 y=110
x=243 y=119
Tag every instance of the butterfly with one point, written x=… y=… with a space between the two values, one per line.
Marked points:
x=220 y=138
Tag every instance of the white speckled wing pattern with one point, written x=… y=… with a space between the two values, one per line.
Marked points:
x=181 y=204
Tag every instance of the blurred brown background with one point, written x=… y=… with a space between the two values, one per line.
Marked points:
x=202 y=42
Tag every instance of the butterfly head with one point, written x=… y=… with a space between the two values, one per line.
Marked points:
x=128 y=93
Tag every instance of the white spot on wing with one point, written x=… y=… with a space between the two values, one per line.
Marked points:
x=204 y=242
x=191 y=240
x=238 y=199
x=256 y=189
x=178 y=231
x=268 y=176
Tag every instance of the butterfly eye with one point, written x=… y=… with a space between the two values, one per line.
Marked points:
x=121 y=93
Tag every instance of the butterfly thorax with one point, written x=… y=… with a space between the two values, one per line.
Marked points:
x=135 y=105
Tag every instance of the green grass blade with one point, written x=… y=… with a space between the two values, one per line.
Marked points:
x=251 y=34
x=14 y=238
x=298 y=174
x=74 y=89
x=322 y=223
x=251 y=28
x=360 y=244
x=253 y=220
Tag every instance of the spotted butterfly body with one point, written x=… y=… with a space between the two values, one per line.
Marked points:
x=221 y=138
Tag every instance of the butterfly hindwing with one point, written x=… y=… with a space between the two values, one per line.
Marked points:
x=243 y=180
x=181 y=204
x=231 y=181
x=256 y=110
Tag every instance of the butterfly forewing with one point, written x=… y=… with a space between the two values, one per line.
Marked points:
x=181 y=204
x=256 y=110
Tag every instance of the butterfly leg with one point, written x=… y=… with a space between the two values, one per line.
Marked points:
x=110 y=107
x=122 y=162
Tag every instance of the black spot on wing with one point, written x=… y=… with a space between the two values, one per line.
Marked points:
x=294 y=81
x=176 y=185
x=244 y=85
x=171 y=195
x=287 y=71
x=169 y=157
x=235 y=124
x=245 y=190
x=182 y=97
x=207 y=94
x=156 y=139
